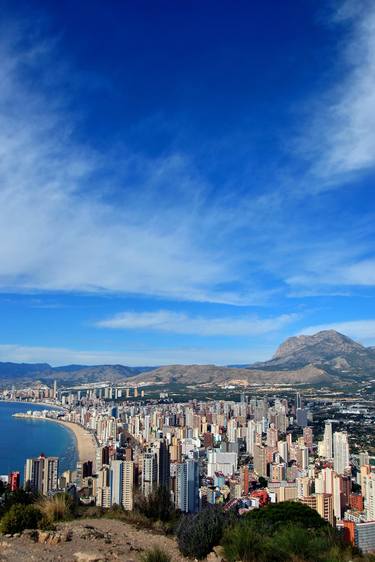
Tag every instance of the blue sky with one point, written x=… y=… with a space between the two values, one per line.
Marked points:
x=184 y=182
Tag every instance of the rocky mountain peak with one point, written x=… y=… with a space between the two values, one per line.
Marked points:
x=324 y=342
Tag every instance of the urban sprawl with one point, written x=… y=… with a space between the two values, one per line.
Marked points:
x=241 y=454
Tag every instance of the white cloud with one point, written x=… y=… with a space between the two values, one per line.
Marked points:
x=342 y=142
x=167 y=235
x=179 y=323
x=57 y=231
x=361 y=330
x=57 y=356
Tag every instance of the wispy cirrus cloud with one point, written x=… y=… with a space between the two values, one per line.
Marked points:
x=341 y=137
x=179 y=323
x=60 y=231
x=167 y=232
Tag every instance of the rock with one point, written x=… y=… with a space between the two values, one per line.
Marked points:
x=217 y=555
x=87 y=557
x=16 y=535
x=43 y=537
x=67 y=535
x=55 y=538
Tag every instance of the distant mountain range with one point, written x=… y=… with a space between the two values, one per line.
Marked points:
x=326 y=357
x=68 y=374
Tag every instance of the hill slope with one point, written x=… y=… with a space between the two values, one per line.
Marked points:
x=328 y=350
x=325 y=357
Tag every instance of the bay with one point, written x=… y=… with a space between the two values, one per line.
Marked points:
x=22 y=438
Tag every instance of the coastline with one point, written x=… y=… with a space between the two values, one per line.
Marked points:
x=86 y=445
x=50 y=405
x=85 y=441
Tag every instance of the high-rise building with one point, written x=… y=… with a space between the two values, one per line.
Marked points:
x=308 y=437
x=14 y=481
x=301 y=417
x=341 y=452
x=322 y=503
x=163 y=461
x=282 y=447
x=327 y=441
x=369 y=495
x=55 y=389
x=260 y=460
x=103 y=488
x=187 y=486
x=364 y=458
x=298 y=401
x=41 y=474
x=250 y=437
x=121 y=483
x=149 y=472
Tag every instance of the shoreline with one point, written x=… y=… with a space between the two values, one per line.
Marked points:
x=85 y=441
x=47 y=404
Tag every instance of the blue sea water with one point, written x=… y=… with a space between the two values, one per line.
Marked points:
x=25 y=438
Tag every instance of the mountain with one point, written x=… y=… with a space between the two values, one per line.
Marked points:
x=20 y=370
x=328 y=350
x=325 y=357
x=212 y=374
x=67 y=374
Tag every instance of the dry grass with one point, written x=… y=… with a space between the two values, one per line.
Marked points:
x=56 y=508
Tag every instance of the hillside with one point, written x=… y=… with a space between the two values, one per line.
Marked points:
x=328 y=350
x=325 y=357
x=211 y=374
x=95 y=540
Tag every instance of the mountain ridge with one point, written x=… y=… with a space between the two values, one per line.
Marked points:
x=322 y=357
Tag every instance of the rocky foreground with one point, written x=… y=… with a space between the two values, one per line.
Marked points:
x=86 y=540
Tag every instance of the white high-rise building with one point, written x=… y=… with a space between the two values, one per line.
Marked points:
x=369 y=494
x=341 y=452
x=251 y=431
x=282 y=447
x=327 y=440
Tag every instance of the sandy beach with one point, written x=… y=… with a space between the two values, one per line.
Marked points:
x=85 y=441
x=86 y=445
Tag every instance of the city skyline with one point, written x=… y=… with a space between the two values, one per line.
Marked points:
x=185 y=184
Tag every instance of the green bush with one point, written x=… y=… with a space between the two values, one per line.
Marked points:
x=275 y=515
x=285 y=532
x=157 y=506
x=198 y=534
x=155 y=555
x=20 y=517
x=17 y=497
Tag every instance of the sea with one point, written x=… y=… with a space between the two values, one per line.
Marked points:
x=22 y=438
